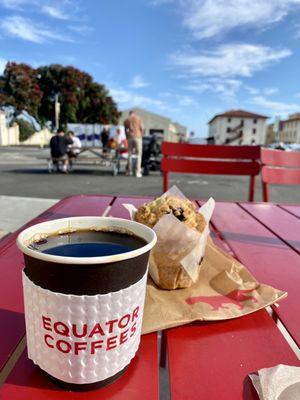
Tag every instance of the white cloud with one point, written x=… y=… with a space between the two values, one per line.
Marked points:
x=263 y=91
x=2 y=65
x=15 y=4
x=26 y=29
x=129 y=99
x=252 y=90
x=185 y=101
x=224 y=87
x=160 y=2
x=59 y=9
x=138 y=82
x=81 y=29
x=55 y=12
x=228 y=60
x=270 y=91
x=275 y=107
x=166 y=101
x=210 y=18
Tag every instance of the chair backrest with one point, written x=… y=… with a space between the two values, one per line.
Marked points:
x=280 y=167
x=210 y=159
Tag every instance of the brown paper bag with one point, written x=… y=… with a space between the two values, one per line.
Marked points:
x=225 y=289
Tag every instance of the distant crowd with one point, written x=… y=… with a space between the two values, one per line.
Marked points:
x=65 y=148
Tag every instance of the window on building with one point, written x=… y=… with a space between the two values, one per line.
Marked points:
x=228 y=119
x=254 y=131
x=228 y=129
x=255 y=121
x=242 y=122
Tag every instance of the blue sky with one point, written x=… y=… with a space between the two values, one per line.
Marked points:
x=186 y=59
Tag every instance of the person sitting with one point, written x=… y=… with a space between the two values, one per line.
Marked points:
x=122 y=142
x=58 y=148
x=121 y=146
x=73 y=148
x=104 y=136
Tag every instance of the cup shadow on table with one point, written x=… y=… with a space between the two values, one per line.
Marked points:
x=28 y=375
x=13 y=325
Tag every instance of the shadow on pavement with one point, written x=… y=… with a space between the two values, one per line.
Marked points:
x=36 y=171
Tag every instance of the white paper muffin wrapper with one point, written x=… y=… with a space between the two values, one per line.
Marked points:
x=110 y=326
x=169 y=227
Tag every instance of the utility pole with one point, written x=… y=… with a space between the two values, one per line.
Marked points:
x=276 y=128
x=57 y=111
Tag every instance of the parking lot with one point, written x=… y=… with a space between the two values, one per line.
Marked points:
x=24 y=173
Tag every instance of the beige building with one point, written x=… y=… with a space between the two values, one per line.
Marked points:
x=158 y=124
x=290 y=129
x=237 y=127
x=270 y=134
x=9 y=136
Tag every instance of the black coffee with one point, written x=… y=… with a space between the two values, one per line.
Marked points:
x=88 y=243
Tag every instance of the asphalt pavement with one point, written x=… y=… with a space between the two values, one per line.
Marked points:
x=24 y=173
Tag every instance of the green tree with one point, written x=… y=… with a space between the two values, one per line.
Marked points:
x=26 y=129
x=19 y=88
x=34 y=90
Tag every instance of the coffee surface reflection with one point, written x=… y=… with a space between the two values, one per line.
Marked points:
x=88 y=243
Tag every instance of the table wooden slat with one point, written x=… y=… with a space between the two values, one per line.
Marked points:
x=283 y=224
x=212 y=360
x=295 y=210
x=11 y=264
x=269 y=259
x=138 y=382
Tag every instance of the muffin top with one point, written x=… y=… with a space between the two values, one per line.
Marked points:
x=183 y=209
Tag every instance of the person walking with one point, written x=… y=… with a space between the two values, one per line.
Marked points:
x=134 y=131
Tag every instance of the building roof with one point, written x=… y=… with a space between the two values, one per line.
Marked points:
x=142 y=111
x=238 y=114
x=292 y=117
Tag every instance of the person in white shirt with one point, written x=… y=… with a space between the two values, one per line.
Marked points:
x=74 y=148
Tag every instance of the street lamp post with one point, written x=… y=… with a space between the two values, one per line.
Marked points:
x=57 y=112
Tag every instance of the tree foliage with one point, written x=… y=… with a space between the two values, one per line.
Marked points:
x=82 y=99
x=19 y=88
x=26 y=129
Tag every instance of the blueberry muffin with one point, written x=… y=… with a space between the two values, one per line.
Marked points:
x=183 y=209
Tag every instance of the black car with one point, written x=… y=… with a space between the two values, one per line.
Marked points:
x=151 y=154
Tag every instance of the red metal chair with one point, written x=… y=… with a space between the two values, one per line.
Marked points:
x=210 y=159
x=279 y=167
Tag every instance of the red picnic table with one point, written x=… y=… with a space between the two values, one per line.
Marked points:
x=207 y=360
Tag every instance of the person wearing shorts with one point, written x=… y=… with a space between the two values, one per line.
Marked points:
x=134 y=130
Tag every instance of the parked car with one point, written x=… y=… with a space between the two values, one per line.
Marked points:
x=151 y=154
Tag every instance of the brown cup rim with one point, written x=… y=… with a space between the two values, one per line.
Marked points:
x=86 y=222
